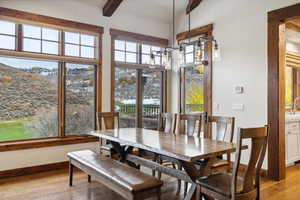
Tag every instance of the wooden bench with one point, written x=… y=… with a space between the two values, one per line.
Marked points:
x=126 y=181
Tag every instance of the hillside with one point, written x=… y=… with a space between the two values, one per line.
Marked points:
x=24 y=94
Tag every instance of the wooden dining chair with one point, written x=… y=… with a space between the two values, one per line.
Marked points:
x=190 y=124
x=227 y=186
x=107 y=120
x=223 y=126
x=167 y=122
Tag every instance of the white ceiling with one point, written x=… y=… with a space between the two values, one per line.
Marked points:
x=155 y=9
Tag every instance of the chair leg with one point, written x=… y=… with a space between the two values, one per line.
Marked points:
x=89 y=178
x=179 y=181
x=159 y=173
x=70 y=174
x=185 y=188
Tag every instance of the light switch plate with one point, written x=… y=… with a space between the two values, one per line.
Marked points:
x=238 y=89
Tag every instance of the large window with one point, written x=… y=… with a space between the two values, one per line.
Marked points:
x=48 y=84
x=29 y=99
x=138 y=91
x=80 y=98
x=195 y=84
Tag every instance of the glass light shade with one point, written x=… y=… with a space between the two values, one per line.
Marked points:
x=166 y=59
x=180 y=56
x=198 y=55
x=217 y=54
x=152 y=59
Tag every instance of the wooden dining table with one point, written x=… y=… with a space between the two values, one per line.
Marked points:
x=187 y=150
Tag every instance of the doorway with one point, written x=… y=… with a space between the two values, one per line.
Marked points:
x=276 y=88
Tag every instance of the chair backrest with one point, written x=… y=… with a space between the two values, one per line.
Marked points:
x=188 y=124
x=251 y=177
x=222 y=125
x=108 y=119
x=167 y=122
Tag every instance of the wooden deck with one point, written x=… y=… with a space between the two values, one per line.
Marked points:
x=54 y=186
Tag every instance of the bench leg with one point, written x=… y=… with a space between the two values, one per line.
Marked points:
x=71 y=167
x=89 y=178
x=158 y=194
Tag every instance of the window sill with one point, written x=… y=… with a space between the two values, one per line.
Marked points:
x=47 y=142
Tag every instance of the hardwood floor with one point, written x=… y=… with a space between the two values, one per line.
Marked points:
x=54 y=186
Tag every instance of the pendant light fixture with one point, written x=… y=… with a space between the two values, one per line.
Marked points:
x=172 y=53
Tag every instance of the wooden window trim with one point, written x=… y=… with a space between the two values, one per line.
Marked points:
x=207 y=31
x=15 y=145
x=52 y=22
x=21 y=17
x=139 y=38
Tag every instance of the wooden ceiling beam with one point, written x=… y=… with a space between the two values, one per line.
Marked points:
x=110 y=7
x=192 y=5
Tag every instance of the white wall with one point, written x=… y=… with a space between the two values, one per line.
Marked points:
x=81 y=12
x=240 y=26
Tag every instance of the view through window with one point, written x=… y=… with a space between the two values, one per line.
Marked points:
x=41 y=97
x=137 y=84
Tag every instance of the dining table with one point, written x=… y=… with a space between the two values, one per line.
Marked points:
x=187 y=150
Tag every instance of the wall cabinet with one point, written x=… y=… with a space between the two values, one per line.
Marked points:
x=292 y=142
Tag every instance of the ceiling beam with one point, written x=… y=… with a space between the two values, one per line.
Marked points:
x=192 y=5
x=110 y=7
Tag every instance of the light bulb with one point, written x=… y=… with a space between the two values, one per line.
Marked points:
x=217 y=53
x=152 y=59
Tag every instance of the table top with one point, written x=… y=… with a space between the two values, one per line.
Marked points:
x=180 y=147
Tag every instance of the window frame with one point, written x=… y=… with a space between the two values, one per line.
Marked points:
x=205 y=31
x=140 y=40
x=20 y=18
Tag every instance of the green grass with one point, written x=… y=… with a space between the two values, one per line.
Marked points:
x=13 y=130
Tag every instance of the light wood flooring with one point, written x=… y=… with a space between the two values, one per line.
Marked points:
x=54 y=186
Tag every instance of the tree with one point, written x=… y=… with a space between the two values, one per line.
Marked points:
x=195 y=96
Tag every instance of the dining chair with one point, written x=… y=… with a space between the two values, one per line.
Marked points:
x=190 y=124
x=167 y=123
x=107 y=120
x=227 y=186
x=223 y=126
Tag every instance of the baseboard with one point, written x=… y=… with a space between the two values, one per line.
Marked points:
x=32 y=170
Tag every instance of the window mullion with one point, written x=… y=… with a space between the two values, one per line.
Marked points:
x=61 y=99
x=19 y=39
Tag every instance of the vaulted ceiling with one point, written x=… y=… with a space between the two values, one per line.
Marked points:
x=156 y=9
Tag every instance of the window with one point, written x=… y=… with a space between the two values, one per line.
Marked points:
x=139 y=92
x=130 y=52
x=80 y=45
x=80 y=98
x=40 y=40
x=7 y=35
x=46 y=96
x=29 y=99
x=195 y=84
x=194 y=89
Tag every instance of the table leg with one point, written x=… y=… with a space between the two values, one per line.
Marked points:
x=123 y=151
x=195 y=174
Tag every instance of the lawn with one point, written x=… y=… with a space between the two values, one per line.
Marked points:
x=13 y=130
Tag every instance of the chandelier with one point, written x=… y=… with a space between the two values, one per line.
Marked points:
x=172 y=53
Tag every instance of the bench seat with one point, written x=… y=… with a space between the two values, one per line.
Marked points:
x=127 y=181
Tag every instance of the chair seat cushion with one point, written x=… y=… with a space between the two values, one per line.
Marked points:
x=220 y=183
x=127 y=177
